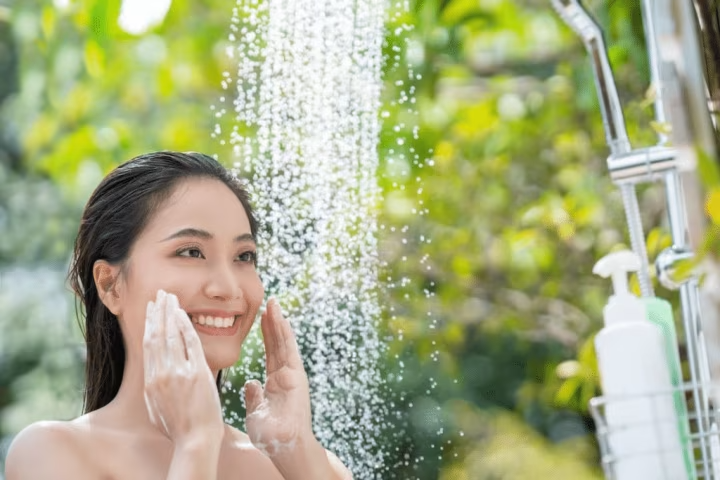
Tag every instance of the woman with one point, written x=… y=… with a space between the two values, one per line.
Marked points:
x=165 y=266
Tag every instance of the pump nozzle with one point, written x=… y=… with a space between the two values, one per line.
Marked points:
x=617 y=265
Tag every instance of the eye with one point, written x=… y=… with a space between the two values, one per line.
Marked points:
x=248 y=257
x=191 y=252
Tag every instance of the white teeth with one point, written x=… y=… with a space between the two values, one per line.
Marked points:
x=217 y=322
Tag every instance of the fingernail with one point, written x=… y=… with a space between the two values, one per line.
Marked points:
x=268 y=308
x=172 y=301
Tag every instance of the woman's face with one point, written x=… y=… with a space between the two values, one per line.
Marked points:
x=198 y=246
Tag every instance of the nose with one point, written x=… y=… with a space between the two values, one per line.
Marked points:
x=222 y=284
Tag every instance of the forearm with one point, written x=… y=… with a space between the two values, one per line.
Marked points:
x=308 y=459
x=195 y=461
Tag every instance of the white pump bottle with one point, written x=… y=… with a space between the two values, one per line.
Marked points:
x=641 y=416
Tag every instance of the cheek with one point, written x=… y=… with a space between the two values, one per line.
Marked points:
x=155 y=274
x=254 y=291
x=142 y=288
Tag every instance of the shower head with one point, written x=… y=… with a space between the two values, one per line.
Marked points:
x=577 y=18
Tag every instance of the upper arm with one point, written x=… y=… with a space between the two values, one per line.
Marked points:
x=44 y=451
x=340 y=470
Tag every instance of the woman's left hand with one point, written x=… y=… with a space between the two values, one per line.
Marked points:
x=279 y=419
x=279 y=416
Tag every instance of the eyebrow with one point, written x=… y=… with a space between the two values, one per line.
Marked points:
x=205 y=235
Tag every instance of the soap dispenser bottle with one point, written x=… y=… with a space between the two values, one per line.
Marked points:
x=641 y=417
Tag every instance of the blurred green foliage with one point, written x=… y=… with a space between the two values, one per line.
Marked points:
x=493 y=213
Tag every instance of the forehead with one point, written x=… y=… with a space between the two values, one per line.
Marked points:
x=203 y=203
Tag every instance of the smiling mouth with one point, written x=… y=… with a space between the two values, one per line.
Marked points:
x=216 y=322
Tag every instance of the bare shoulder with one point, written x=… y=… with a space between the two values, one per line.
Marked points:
x=237 y=440
x=244 y=454
x=340 y=469
x=240 y=455
x=56 y=443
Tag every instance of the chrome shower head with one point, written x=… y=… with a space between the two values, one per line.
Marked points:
x=577 y=18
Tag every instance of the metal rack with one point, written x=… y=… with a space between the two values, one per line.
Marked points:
x=700 y=442
x=677 y=74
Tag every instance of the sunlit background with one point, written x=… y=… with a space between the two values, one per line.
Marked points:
x=489 y=302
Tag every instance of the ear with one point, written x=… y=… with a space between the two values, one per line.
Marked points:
x=106 y=278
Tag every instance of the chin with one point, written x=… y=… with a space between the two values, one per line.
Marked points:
x=221 y=358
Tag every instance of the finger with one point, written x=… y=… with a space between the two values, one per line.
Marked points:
x=149 y=342
x=254 y=396
x=160 y=325
x=280 y=346
x=150 y=358
x=193 y=346
x=148 y=319
x=175 y=348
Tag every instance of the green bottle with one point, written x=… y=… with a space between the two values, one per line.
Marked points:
x=659 y=312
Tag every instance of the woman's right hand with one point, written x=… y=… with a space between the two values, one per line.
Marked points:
x=180 y=391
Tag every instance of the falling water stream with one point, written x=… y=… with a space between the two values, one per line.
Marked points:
x=304 y=131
